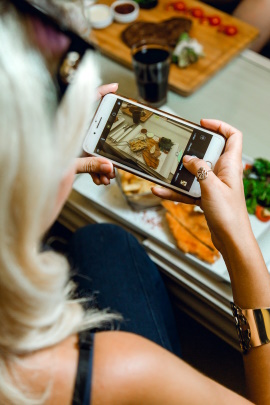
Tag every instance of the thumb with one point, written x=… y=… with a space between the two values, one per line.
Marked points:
x=193 y=164
x=93 y=165
x=106 y=88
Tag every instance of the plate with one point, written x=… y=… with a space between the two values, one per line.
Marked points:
x=151 y=223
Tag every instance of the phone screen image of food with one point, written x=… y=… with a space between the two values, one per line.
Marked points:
x=154 y=144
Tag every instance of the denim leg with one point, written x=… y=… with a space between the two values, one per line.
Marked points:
x=110 y=263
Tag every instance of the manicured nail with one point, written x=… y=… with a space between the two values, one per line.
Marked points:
x=187 y=158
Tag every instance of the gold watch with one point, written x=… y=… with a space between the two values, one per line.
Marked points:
x=252 y=325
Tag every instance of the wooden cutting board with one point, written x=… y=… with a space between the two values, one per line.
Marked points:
x=219 y=48
x=142 y=119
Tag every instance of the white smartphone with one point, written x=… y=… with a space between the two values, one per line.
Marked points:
x=151 y=143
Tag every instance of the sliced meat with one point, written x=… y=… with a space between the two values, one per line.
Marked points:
x=150 y=159
x=167 y=31
x=187 y=242
x=194 y=221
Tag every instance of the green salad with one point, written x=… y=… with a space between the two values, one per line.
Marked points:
x=257 y=188
x=165 y=144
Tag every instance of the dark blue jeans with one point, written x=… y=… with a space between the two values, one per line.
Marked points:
x=111 y=264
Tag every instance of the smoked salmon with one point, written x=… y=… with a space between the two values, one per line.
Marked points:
x=190 y=230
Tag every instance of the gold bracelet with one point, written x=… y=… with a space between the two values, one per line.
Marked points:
x=252 y=325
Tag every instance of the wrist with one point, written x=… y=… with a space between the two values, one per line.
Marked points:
x=249 y=275
x=236 y=235
x=239 y=245
x=239 y=239
x=242 y=254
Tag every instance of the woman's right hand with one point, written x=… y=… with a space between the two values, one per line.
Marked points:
x=222 y=194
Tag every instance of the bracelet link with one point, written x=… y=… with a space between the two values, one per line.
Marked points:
x=252 y=325
x=242 y=328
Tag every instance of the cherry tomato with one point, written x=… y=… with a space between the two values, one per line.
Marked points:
x=230 y=30
x=179 y=6
x=263 y=214
x=214 y=20
x=248 y=166
x=197 y=12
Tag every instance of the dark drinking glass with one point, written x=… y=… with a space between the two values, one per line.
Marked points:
x=136 y=116
x=151 y=64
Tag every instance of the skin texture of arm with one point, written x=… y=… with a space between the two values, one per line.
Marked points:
x=129 y=369
x=256 y=13
x=225 y=210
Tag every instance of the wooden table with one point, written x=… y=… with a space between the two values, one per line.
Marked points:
x=240 y=95
x=219 y=48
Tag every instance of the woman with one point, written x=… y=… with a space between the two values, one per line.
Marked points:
x=41 y=342
x=38 y=145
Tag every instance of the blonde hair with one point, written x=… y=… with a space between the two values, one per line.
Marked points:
x=37 y=146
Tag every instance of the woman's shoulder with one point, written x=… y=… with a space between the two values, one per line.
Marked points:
x=124 y=367
x=121 y=361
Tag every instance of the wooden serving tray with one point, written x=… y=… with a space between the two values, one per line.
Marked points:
x=219 y=48
x=142 y=119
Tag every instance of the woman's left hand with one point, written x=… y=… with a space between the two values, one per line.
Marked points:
x=100 y=169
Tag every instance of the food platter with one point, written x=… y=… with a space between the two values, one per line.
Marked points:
x=151 y=224
x=219 y=49
x=141 y=144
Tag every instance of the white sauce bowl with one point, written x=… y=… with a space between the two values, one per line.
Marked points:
x=100 y=16
x=125 y=18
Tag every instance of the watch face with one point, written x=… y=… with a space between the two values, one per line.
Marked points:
x=242 y=327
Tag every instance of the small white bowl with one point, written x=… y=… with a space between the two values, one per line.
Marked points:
x=126 y=16
x=100 y=16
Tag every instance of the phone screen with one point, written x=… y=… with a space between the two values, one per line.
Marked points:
x=151 y=143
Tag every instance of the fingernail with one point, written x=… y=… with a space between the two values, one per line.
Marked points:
x=105 y=167
x=114 y=84
x=159 y=190
x=187 y=158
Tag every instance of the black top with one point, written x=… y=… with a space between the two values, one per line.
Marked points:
x=82 y=390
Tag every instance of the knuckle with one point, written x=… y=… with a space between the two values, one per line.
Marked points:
x=90 y=166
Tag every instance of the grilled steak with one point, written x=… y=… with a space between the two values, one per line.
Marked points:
x=167 y=31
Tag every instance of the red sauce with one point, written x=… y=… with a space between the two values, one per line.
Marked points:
x=125 y=8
